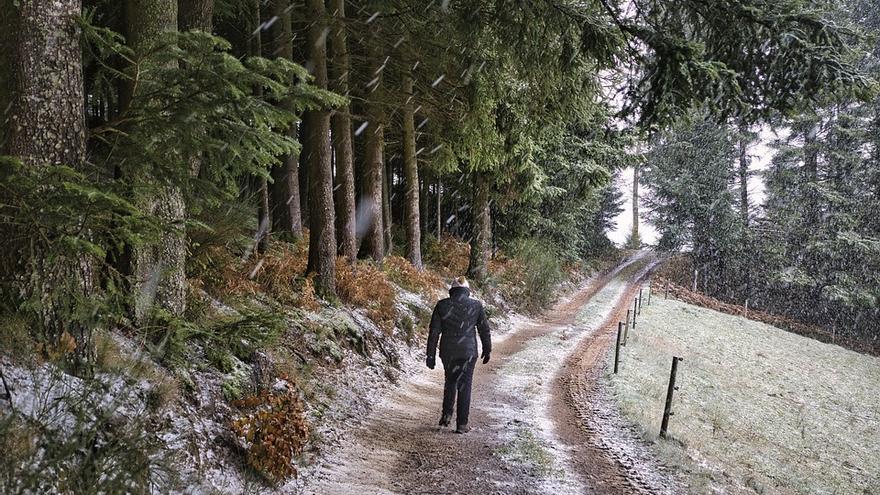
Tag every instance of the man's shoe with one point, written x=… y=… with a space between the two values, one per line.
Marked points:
x=462 y=429
x=445 y=419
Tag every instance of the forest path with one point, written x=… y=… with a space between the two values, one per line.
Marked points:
x=531 y=431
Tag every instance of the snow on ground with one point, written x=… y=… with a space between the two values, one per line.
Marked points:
x=758 y=410
x=529 y=373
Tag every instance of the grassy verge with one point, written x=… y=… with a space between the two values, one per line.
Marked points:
x=759 y=410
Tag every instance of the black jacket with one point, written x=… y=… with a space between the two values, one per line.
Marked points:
x=453 y=323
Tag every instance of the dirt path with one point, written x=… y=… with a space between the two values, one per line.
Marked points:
x=530 y=429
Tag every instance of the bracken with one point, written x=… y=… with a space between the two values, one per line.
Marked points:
x=274 y=433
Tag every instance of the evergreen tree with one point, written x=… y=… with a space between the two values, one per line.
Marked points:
x=322 y=223
x=285 y=188
x=689 y=169
x=46 y=129
x=411 y=172
x=340 y=67
x=158 y=268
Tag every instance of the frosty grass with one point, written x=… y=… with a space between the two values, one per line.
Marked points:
x=759 y=410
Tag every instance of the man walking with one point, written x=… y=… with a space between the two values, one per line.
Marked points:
x=453 y=323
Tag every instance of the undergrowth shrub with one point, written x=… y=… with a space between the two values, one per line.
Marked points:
x=81 y=436
x=280 y=271
x=328 y=336
x=365 y=285
x=16 y=341
x=404 y=274
x=448 y=255
x=238 y=335
x=274 y=433
x=678 y=269
x=221 y=273
x=218 y=239
x=531 y=275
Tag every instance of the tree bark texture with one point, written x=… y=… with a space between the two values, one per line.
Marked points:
x=304 y=154
x=424 y=192
x=196 y=15
x=159 y=268
x=373 y=170
x=481 y=237
x=8 y=33
x=255 y=49
x=386 y=208
x=439 y=212
x=342 y=141
x=285 y=207
x=411 y=175
x=322 y=230
x=47 y=128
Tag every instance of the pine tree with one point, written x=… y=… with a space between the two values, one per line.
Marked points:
x=481 y=240
x=158 y=268
x=411 y=173
x=285 y=188
x=46 y=130
x=689 y=170
x=322 y=232
x=373 y=167
x=196 y=14
x=340 y=67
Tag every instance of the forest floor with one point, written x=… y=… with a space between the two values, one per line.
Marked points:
x=539 y=421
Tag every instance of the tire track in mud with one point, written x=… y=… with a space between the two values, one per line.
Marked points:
x=399 y=448
x=607 y=453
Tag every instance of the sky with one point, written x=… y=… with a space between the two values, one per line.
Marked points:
x=761 y=154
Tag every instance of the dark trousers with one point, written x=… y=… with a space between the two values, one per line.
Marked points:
x=459 y=377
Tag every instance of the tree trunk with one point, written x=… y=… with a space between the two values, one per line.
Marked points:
x=158 y=268
x=47 y=128
x=196 y=15
x=342 y=142
x=8 y=33
x=411 y=173
x=374 y=163
x=744 y=177
x=478 y=269
x=439 y=213
x=424 y=192
x=386 y=207
x=285 y=204
x=304 y=154
x=635 y=240
x=322 y=231
x=255 y=49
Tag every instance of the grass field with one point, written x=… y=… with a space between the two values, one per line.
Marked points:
x=759 y=410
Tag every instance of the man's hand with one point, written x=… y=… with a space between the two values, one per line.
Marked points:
x=485 y=357
x=430 y=362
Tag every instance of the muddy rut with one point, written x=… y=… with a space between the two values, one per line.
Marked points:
x=540 y=423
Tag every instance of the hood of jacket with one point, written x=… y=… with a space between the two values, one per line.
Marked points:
x=459 y=293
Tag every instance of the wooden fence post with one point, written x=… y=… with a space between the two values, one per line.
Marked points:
x=626 y=327
x=640 y=300
x=617 y=347
x=667 y=410
x=635 y=310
